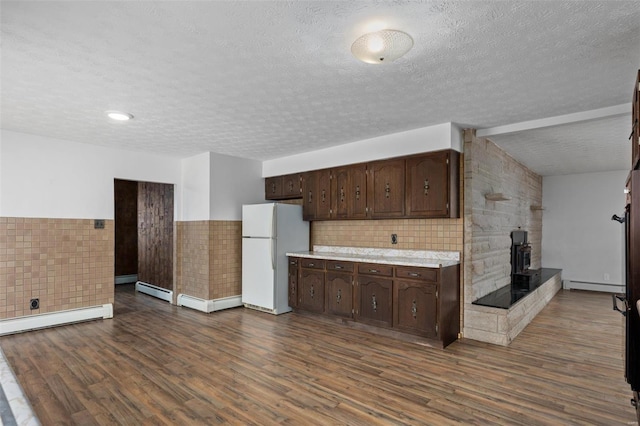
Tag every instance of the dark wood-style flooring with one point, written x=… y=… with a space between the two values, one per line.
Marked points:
x=154 y=363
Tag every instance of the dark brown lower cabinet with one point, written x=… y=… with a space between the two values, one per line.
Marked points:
x=416 y=307
x=374 y=300
x=407 y=299
x=293 y=282
x=339 y=294
x=311 y=290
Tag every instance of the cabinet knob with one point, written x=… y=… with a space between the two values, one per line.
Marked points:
x=342 y=195
x=310 y=197
x=387 y=190
x=426 y=187
x=374 y=303
x=311 y=265
x=414 y=309
x=339 y=296
x=312 y=291
x=413 y=274
x=357 y=192
x=273 y=188
x=290 y=186
x=323 y=195
x=338 y=267
x=373 y=271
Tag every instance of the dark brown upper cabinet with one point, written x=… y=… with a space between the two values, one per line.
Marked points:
x=323 y=191
x=292 y=186
x=309 y=196
x=285 y=187
x=417 y=186
x=273 y=188
x=430 y=192
x=386 y=189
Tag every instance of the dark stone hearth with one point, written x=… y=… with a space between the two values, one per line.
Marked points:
x=520 y=287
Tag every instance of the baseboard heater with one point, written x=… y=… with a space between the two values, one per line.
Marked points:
x=208 y=306
x=592 y=286
x=34 y=322
x=155 y=291
x=126 y=279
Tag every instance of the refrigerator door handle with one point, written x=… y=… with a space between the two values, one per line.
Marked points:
x=274 y=229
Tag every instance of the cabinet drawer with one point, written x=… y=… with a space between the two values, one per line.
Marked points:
x=413 y=273
x=337 y=265
x=293 y=261
x=312 y=263
x=375 y=269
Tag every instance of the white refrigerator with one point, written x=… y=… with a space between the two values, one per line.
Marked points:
x=268 y=232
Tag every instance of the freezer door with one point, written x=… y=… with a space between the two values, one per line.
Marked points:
x=258 y=274
x=258 y=220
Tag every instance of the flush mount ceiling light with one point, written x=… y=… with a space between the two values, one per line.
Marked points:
x=119 y=115
x=381 y=46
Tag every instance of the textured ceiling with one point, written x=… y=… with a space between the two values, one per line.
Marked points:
x=267 y=79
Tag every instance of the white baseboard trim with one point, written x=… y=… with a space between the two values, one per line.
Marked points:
x=602 y=287
x=126 y=279
x=34 y=322
x=155 y=291
x=209 y=306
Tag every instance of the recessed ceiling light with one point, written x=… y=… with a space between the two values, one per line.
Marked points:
x=119 y=116
x=381 y=46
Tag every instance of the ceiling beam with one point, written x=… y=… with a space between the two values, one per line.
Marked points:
x=558 y=120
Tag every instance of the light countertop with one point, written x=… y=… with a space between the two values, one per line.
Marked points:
x=419 y=258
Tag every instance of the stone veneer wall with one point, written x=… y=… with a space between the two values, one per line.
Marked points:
x=209 y=258
x=487 y=240
x=488 y=224
x=66 y=263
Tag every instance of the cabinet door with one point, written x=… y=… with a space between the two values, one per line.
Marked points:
x=293 y=282
x=273 y=188
x=428 y=185
x=340 y=294
x=374 y=301
x=385 y=189
x=357 y=192
x=292 y=186
x=309 y=196
x=635 y=124
x=311 y=290
x=323 y=191
x=339 y=192
x=415 y=307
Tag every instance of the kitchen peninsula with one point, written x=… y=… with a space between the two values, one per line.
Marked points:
x=398 y=292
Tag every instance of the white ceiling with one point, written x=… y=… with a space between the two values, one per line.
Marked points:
x=268 y=79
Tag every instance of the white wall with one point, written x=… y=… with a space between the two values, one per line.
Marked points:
x=425 y=139
x=234 y=181
x=578 y=234
x=196 y=187
x=52 y=178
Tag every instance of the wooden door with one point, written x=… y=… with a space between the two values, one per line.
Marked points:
x=292 y=186
x=635 y=125
x=323 y=198
x=126 y=227
x=309 y=196
x=374 y=300
x=155 y=234
x=340 y=192
x=339 y=291
x=357 y=191
x=386 y=189
x=428 y=185
x=293 y=282
x=273 y=188
x=415 y=307
x=311 y=290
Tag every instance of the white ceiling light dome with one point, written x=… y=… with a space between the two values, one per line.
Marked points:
x=119 y=115
x=381 y=46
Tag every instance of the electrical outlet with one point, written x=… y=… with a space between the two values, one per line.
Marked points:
x=394 y=238
x=98 y=224
x=606 y=277
x=34 y=304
